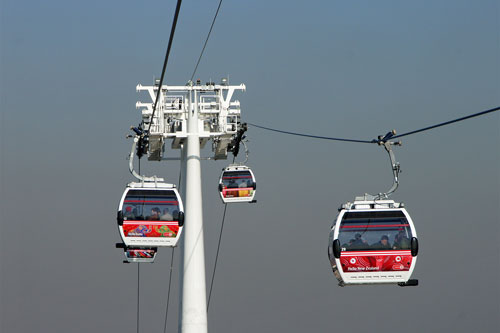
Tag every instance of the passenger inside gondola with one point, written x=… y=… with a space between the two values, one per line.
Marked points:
x=129 y=213
x=383 y=244
x=166 y=215
x=359 y=243
x=401 y=242
x=366 y=231
x=155 y=214
x=150 y=205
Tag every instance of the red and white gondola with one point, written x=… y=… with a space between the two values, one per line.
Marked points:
x=150 y=214
x=138 y=254
x=237 y=184
x=373 y=242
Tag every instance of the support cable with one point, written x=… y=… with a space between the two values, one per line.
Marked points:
x=138 y=294
x=171 y=269
x=138 y=277
x=206 y=40
x=168 y=293
x=376 y=140
x=309 y=135
x=449 y=122
x=170 y=40
x=216 y=256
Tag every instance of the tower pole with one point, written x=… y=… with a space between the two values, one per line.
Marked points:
x=194 y=303
x=182 y=186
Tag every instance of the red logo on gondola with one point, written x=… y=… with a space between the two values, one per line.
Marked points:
x=375 y=261
x=237 y=192
x=150 y=229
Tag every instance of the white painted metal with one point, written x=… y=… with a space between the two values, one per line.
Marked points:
x=182 y=190
x=194 y=303
x=218 y=116
x=131 y=165
x=191 y=115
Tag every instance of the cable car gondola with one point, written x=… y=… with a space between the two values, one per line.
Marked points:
x=138 y=254
x=237 y=184
x=373 y=241
x=150 y=214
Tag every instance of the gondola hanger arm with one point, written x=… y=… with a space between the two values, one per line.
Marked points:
x=131 y=165
x=395 y=166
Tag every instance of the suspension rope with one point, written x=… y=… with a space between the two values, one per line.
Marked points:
x=138 y=289
x=168 y=294
x=138 y=274
x=375 y=140
x=448 y=122
x=170 y=40
x=309 y=135
x=171 y=268
x=216 y=257
x=206 y=40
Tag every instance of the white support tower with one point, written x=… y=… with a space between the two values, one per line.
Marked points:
x=218 y=116
x=191 y=115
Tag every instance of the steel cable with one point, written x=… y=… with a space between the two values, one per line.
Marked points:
x=206 y=41
x=309 y=135
x=448 y=122
x=138 y=289
x=168 y=293
x=377 y=140
x=170 y=40
x=216 y=257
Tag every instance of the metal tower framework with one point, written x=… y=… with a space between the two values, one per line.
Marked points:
x=191 y=115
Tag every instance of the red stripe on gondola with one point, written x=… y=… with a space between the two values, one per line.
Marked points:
x=375 y=253
x=142 y=222
x=227 y=177
x=375 y=226
x=151 y=201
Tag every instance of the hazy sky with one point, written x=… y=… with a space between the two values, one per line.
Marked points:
x=354 y=69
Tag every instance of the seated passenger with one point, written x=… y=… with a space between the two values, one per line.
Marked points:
x=401 y=242
x=359 y=243
x=243 y=183
x=232 y=184
x=155 y=214
x=166 y=215
x=129 y=213
x=348 y=244
x=383 y=244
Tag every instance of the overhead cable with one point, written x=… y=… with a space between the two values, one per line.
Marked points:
x=378 y=140
x=206 y=40
x=449 y=122
x=170 y=40
x=168 y=294
x=217 y=256
x=309 y=135
x=138 y=294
